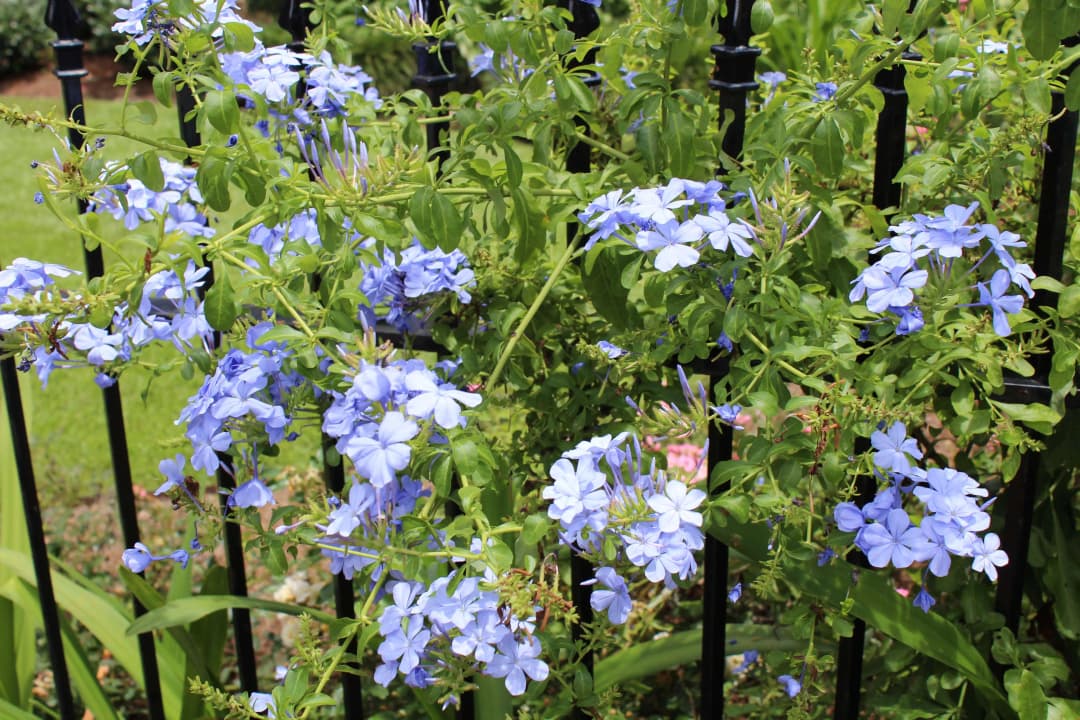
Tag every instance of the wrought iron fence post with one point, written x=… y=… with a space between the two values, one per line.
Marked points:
x=584 y=20
x=733 y=79
x=235 y=569
x=1018 y=500
x=891 y=137
x=62 y=17
x=35 y=529
x=434 y=74
x=296 y=18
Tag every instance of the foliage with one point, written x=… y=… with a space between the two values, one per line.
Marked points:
x=25 y=39
x=846 y=346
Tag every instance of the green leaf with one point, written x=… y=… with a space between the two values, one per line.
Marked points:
x=1037 y=416
x=221 y=111
x=828 y=148
x=535 y=528
x=681 y=142
x=602 y=279
x=1041 y=28
x=12 y=712
x=1063 y=576
x=648 y=146
x=437 y=220
x=684 y=648
x=18 y=645
x=761 y=17
x=97 y=613
x=187 y=610
x=513 y=166
x=213 y=176
x=1025 y=694
x=891 y=14
x=147 y=169
x=83 y=680
x=1069 y=302
x=220 y=306
x=695 y=12
x=163 y=88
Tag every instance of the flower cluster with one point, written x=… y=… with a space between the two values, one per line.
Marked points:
x=677 y=219
x=952 y=525
x=374 y=511
x=169 y=310
x=134 y=203
x=375 y=418
x=272 y=73
x=395 y=287
x=451 y=621
x=23 y=278
x=608 y=503
x=302 y=227
x=147 y=19
x=927 y=247
x=245 y=387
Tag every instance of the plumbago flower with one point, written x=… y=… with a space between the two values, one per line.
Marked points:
x=615 y=508
x=679 y=220
x=170 y=310
x=928 y=253
x=953 y=522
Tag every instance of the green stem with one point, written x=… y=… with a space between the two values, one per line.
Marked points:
x=493 y=378
x=603 y=147
x=768 y=354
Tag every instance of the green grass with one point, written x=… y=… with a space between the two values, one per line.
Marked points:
x=68 y=433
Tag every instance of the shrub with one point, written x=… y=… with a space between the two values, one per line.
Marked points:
x=24 y=38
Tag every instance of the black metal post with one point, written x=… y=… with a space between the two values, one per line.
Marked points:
x=62 y=17
x=1018 y=500
x=891 y=135
x=237 y=576
x=434 y=74
x=39 y=552
x=296 y=18
x=235 y=568
x=584 y=20
x=733 y=79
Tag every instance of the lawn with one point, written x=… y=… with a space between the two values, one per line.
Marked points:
x=68 y=434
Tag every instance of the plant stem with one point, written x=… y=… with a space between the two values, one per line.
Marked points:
x=496 y=373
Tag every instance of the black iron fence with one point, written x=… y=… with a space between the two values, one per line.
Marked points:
x=733 y=79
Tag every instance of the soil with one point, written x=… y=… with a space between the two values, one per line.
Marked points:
x=99 y=83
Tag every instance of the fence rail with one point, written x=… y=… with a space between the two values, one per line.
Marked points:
x=733 y=78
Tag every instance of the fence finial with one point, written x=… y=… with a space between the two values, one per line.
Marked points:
x=63 y=18
x=296 y=19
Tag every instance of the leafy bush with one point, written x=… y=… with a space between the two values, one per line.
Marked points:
x=24 y=38
x=858 y=354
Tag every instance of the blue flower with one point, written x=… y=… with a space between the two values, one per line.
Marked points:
x=378 y=458
x=735 y=593
x=673 y=240
x=616 y=600
x=262 y=703
x=924 y=600
x=825 y=91
x=613 y=351
x=676 y=506
x=724 y=342
x=138 y=558
x=791 y=686
x=252 y=493
x=890 y=541
x=1000 y=303
x=437 y=400
x=517 y=660
x=893 y=449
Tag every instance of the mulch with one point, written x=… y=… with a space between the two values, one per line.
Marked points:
x=99 y=84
